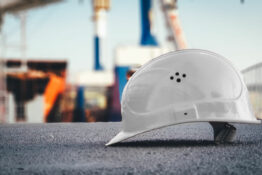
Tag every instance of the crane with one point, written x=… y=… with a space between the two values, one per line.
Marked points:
x=176 y=35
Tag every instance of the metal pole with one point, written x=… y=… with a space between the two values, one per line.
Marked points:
x=22 y=17
x=100 y=8
x=3 y=95
x=23 y=34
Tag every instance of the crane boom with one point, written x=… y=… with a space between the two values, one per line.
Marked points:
x=176 y=35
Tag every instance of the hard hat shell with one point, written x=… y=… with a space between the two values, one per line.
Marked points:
x=190 y=85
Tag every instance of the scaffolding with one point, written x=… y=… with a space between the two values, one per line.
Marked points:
x=3 y=95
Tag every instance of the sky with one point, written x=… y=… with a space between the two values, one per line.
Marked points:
x=65 y=30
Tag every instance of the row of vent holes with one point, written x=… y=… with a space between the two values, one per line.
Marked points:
x=178 y=79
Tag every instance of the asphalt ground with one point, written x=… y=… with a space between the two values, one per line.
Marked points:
x=78 y=148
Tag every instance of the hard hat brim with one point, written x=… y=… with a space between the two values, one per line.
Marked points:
x=120 y=137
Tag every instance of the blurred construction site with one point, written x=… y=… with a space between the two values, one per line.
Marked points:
x=68 y=61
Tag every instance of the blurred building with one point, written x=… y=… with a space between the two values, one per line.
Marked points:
x=89 y=98
x=33 y=89
x=21 y=84
x=253 y=79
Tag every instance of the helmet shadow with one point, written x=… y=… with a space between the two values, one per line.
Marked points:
x=176 y=143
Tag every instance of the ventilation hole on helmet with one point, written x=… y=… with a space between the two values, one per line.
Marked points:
x=171 y=78
x=177 y=73
x=185 y=113
x=178 y=80
x=184 y=75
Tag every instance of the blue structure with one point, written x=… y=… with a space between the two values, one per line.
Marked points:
x=147 y=39
x=97 y=65
x=121 y=72
x=79 y=112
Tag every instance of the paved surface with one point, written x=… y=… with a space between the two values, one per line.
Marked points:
x=79 y=149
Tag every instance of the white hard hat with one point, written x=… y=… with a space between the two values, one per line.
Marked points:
x=184 y=86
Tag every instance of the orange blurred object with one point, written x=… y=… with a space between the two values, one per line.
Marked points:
x=56 y=71
x=55 y=87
